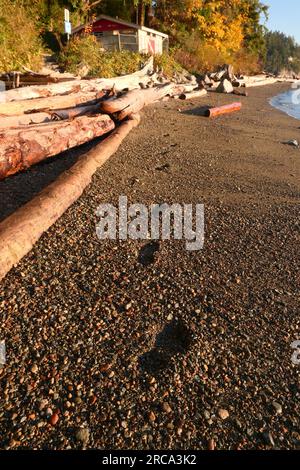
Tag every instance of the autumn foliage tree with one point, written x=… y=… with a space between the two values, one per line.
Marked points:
x=226 y=25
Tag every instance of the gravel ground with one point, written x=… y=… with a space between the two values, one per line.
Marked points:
x=112 y=346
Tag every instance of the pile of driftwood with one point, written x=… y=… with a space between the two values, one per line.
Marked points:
x=225 y=81
x=38 y=122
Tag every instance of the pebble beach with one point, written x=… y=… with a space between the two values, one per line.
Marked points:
x=141 y=345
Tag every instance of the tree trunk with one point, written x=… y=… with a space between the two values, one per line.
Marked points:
x=9 y=122
x=20 y=231
x=22 y=148
x=135 y=100
x=141 y=13
x=228 y=108
x=14 y=108
x=193 y=94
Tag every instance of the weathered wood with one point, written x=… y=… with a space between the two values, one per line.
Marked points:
x=193 y=94
x=20 y=231
x=229 y=108
x=21 y=148
x=86 y=86
x=9 y=122
x=253 y=83
x=135 y=100
x=257 y=80
x=55 y=102
x=77 y=111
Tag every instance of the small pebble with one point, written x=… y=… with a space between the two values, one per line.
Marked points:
x=223 y=414
x=34 y=369
x=166 y=407
x=54 y=419
x=277 y=407
x=83 y=435
x=211 y=445
x=268 y=438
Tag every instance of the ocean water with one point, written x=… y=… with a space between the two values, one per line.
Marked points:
x=288 y=102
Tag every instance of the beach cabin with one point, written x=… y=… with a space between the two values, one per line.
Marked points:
x=114 y=34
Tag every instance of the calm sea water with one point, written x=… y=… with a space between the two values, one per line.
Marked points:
x=288 y=102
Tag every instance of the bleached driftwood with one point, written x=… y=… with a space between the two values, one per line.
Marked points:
x=135 y=100
x=13 y=108
x=86 y=86
x=10 y=122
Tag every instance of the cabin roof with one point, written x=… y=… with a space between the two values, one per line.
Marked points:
x=121 y=22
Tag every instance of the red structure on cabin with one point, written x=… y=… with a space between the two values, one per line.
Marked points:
x=116 y=34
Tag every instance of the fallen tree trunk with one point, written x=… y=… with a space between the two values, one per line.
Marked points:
x=21 y=148
x=17 y=79
x=55 y=102
x=77 y=111
x=266 y=81
x=20 y=231
x=135 y=100
x=228 y=108
x=86 y=86
x=193 y=94
x=9 y=122
x=259 y=80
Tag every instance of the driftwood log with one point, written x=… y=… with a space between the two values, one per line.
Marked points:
x=258 y=80
x=193 y=94
x=135 y=100
x=20 y=231
x=262 y=82
x=17 y=79
x=21 y=148
x=86 y=86
x=228 y=108
x=10 y=122
x=7 y=122
x=55 y=102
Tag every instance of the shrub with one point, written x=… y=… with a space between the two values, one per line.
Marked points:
x=168 y=64
x=20 y=44
x=246 y=63
x=85 y=51
x=199 y=57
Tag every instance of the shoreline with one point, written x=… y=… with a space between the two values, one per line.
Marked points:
x=93 y=334
x=284 y=102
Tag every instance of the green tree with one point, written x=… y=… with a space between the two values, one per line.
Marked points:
x=282 y=53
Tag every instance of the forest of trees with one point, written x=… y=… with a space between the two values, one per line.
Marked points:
x=283 y=53
x=225 y=24
x=201 y=31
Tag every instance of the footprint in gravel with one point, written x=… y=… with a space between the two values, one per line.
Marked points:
x=175 y=338
x=147 y=253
